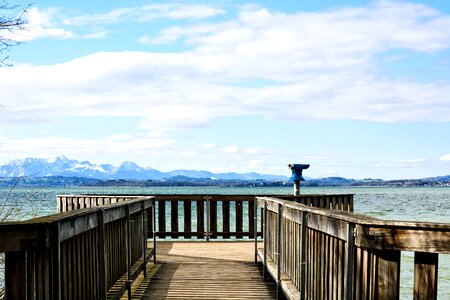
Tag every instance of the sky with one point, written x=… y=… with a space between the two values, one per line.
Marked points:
x=358 y=89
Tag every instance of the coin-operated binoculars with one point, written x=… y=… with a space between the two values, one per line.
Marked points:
x=297 y=170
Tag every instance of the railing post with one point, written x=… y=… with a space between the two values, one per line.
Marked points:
x=388 y=274
x=56 y=261
x=58 y=204
x=304 y=224
x=278 y=253
x=425 y=275
x=255 y=227
x=349 y=245
x=101 y=254
x=208 y=214
x=265 y=240
x=144 y=239
x=154 y=229
x=128 y=239
x=15 y=275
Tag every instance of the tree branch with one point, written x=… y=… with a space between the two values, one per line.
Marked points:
x=10 y=22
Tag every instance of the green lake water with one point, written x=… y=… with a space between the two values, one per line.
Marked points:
x=412 y=204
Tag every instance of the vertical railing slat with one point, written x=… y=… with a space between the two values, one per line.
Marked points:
x=388 y=274
x=251 y=218
x=265 y=240
x=278 y=250
x=144 y=238
x=187 y=219
x=162 y=218
x=201 y=218
x=255 y=228
x=239 y=219
x=213 y=218
x=15 y=275
x=174 y=218
x=425 y=275
x=303 y=250
x=101 y=255
x=349 y=261
x=128 y=249
x=56 y=261
x=226 y=219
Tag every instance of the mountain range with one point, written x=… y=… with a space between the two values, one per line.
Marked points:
x=64 y=167
x=62 y=171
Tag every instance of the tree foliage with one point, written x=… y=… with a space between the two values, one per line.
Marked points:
x=12 y=20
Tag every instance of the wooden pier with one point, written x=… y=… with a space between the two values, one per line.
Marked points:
x=205 y=270
x=163 y=246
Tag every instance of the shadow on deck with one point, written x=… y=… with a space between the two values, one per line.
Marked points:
x=205 y=270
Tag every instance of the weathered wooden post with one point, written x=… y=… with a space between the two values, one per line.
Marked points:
x=128 y=248
x=278 y=251
x=208 y=217
x=255 y=227
x=101 y=251
x=297 y=176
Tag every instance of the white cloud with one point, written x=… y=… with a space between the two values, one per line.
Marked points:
x=78 y=147
x=255 y=150
x=170 y=91
x=205 y=145
x=256 y=164
x=317 y=65
x=332 y=172
x=231 y=149
x=322 y=64
x=95 y=35
x=445 y=157
x=171 y=34
x=405 y=163
x=381 y=26
x=52 y=22
x=146 y=13
x=179 y=11
x=39 y=25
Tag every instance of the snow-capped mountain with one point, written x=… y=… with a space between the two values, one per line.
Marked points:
x=62 y=166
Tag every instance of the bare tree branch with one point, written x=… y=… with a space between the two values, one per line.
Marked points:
x=11 y=21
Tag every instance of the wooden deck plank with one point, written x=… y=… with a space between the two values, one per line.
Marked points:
x=205 y=270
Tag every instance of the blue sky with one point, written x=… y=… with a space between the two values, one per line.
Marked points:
x=355 y=88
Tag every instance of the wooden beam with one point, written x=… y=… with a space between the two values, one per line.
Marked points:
x=406 y=239
x=331 y=226
x=13 y=237
x=425 y=275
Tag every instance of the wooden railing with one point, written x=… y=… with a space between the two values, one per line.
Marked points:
x=93 y=253
x=72 y=202
x=205 y=216
x=316 y=253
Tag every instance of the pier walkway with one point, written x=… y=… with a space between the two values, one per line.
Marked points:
x=205 y=270
x=207 y=247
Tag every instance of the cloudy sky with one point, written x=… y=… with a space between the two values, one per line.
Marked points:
x=355 y=88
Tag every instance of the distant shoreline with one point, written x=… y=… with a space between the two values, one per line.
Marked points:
x=61 y=181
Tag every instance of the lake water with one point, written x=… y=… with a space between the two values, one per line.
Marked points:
x=413 y=204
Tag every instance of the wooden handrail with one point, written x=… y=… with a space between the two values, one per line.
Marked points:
x=80 y=254
x=314 y=245
x=316 y=253
x=343 y=202
x=215 y=216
